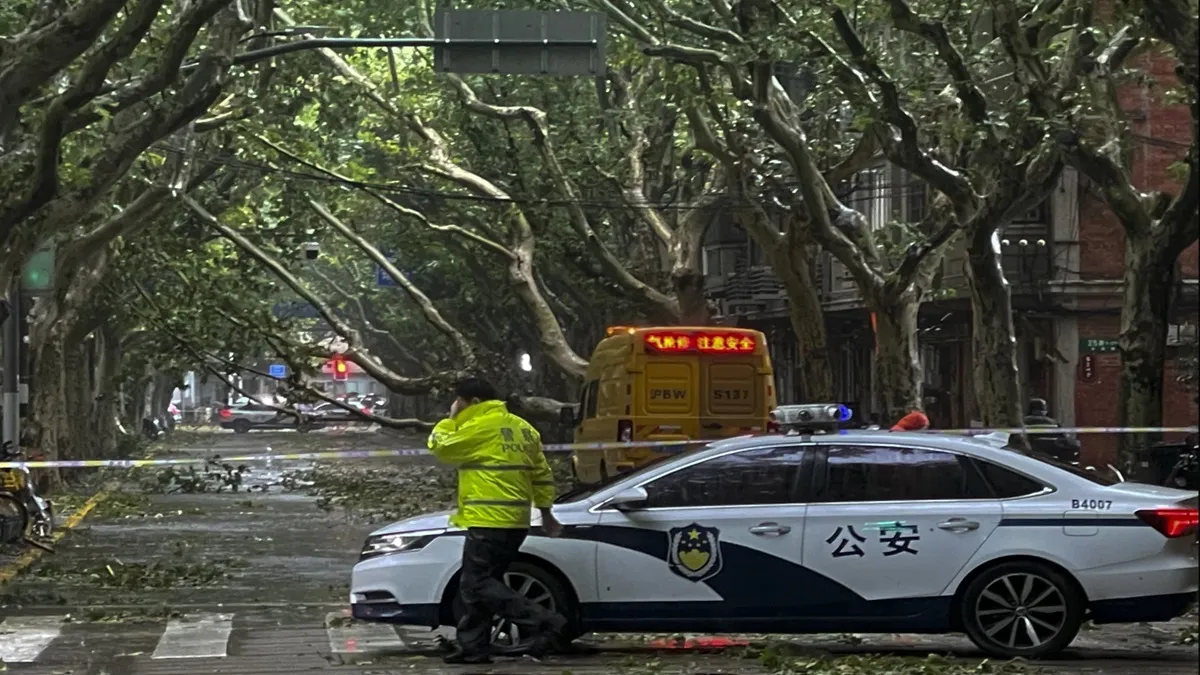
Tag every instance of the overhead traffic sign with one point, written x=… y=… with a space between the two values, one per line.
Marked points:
x=519 y=42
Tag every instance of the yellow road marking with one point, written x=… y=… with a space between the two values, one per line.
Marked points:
x=10 y=571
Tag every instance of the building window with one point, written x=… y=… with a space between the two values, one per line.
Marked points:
x=915 y=198
x=872 y=197
x=1038 y=215
x=723 y=260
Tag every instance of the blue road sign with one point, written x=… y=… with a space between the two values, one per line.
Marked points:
x=383 y=279
x=277 y=370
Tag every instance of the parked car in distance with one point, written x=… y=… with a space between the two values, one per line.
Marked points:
x=329 y=413
x=251 y=415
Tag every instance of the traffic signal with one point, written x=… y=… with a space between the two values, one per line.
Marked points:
x=37 y=275
x=341 y=370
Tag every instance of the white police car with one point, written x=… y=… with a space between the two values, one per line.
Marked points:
x=860 y=531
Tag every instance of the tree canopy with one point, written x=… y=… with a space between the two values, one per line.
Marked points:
x=181 y=188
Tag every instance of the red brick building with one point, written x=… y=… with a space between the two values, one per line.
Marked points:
x=1064 y=261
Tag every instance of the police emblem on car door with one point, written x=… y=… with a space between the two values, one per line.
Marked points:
x=694 y=552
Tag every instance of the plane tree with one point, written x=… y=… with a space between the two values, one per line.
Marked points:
x=969 y=101
x=1161 y=220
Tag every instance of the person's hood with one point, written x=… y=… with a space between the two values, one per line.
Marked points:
x=480 y=409
x=913 y=421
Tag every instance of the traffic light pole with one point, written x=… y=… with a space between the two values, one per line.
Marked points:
x=12 y=367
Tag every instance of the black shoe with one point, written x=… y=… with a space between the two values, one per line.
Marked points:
x=552 y=643
x=461 y=657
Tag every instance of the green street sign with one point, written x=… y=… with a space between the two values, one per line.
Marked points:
x=37 y=276
x=1098 y=345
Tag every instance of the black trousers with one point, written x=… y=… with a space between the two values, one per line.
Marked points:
x=487 y=555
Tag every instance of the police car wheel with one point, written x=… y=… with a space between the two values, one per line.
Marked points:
x=1022 y=609
x=539 y=586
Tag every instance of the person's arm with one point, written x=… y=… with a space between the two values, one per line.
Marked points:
x=543 y=479
x=454 y=444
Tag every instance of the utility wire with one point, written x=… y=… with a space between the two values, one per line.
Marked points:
x=913 y=188
x=856 y=196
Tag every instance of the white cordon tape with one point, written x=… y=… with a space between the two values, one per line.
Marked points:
x=671 y=446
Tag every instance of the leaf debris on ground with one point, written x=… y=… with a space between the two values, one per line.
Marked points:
x=391 y=492
x=117 y=574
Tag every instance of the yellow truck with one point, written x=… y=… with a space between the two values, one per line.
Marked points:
x=668 y=384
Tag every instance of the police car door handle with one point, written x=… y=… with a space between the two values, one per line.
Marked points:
x=959 y=524
x=764 y=529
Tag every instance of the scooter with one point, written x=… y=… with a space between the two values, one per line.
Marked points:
x=24 y=516
x=1185 y=475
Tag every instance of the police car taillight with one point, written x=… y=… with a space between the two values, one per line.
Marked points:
x=1172 y=523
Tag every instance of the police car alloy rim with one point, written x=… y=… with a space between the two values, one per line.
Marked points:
x=507 y=634
x=1021 y=611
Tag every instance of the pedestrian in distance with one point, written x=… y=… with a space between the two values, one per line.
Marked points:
x=1063 y=447
x=502 y=471
x=913 y=421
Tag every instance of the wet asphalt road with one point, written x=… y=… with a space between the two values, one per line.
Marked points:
x=257 y=583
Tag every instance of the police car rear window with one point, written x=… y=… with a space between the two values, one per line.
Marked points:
x=1007 y=484
x=1094 y=474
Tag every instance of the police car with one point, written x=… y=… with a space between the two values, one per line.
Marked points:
x=805 y=532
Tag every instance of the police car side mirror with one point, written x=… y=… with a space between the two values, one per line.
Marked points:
x=629 y=499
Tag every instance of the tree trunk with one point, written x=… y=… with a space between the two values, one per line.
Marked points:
x=164 y=388
x=993 y=338
x=898 y=356
x=1149 y=282
x=687 y=263
x=48 y=404
x=792 y=263
x=689 y=293
x=77 y=410
x=134 y=404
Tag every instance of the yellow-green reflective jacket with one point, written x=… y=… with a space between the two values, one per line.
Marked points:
x=501 y=467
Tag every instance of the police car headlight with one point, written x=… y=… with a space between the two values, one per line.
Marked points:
x=400 y=542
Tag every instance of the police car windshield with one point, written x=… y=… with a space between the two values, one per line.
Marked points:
x=584 y=491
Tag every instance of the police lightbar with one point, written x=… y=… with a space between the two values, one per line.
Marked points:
x=811 y=416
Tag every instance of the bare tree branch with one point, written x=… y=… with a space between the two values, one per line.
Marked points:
x=361 y=309
x=355 y=351
x=484 y=241
x=934 y=32
x=30 y=59
x=910 y=154
x=122 y=149
x=523 y=241
x=431 y=313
